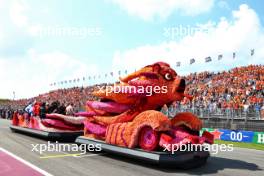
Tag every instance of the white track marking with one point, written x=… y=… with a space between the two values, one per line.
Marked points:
x=26 y=163
x=88 y=155
x=83 y=155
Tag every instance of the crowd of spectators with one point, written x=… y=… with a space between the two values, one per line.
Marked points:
x=56 y=101
x=6 y=112
x=239 y=89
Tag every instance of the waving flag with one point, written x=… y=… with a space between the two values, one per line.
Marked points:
x=220 y=56
x=208 y=59
x=252 y=52
x=234 y=55
x=192 y=61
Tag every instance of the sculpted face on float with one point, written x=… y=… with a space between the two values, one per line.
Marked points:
x=162 y=77
x=158 y=84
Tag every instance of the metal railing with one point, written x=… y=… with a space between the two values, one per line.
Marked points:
x=250 y=114
x=234 y=119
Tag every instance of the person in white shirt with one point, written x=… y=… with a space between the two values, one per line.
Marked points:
x=69 y=109
x=29 y=108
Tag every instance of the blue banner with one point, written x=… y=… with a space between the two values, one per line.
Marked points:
x=236 y=135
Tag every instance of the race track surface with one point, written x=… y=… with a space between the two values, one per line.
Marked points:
x=240 y=162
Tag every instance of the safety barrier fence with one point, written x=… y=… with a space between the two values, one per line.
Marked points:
x=239 y=119
x=250 y=114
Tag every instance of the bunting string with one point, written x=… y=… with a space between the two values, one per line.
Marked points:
x=119 y=72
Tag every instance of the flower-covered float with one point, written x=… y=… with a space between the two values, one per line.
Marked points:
x=127 y=120
x=54 y=126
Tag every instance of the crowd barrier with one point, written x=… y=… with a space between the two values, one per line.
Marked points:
x=250 y=114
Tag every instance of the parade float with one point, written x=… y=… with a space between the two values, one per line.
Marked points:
x=53 y=127
x=127 y=120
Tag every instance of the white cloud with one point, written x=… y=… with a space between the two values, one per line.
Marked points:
x=2 y=3
x=148 y=9
x=239 y=34
x=1 y=35
x=33 y=74
x=26 y=71
x=17 y=13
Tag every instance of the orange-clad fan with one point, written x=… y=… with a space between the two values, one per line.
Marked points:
x=36 y=109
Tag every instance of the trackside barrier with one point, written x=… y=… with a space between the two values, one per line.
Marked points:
x=236 y=135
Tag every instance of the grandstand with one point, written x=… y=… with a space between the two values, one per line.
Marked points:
x=234 y=94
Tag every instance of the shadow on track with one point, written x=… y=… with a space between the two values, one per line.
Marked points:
x=216 y=164
x=213 y=165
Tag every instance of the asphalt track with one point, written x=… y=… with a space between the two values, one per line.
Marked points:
x=240 y=162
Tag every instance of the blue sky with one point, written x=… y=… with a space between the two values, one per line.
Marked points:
x=131 y=34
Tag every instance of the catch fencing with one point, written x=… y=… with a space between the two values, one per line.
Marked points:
x=234 y=119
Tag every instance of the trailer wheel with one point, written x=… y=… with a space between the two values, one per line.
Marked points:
x=148 y=139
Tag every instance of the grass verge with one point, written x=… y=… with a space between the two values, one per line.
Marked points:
x=242 y=144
